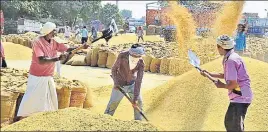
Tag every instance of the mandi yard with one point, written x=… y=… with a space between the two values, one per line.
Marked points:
x=185 y=102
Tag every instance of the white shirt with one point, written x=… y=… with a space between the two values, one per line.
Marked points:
x=67 y=32
x=133 y=63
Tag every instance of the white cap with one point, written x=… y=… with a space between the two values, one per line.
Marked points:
x=225 y=42
x=47 y=28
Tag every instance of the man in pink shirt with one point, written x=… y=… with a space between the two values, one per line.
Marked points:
x=2 y=52
x=40 y=94
x=237 y=83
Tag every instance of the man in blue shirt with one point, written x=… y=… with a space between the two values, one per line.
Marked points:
x=240 y=39
x=84 y=33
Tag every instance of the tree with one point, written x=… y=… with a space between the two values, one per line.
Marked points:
x=13 y=9
x=70 y=11
x=109 y=12
x=126 y=13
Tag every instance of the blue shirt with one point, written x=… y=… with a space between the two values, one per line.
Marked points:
x=84 y=33
x=240 y=41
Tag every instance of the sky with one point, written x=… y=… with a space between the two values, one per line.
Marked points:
x=138 y=8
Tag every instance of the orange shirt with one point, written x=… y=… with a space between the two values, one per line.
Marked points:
x=43 y=48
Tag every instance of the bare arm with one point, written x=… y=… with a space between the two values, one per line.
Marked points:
x=217 y=75
x=232 y=84
x=44 y=60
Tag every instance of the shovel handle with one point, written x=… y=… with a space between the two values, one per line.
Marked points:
x=129 y=99
x=207 y=75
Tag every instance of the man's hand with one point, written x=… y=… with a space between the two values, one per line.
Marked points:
x=220 y=84
x=204 y=73
x=134 y=104
x=63 y=57
x=116 y=87
x=85 y=46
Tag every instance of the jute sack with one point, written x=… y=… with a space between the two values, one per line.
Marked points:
x=112 y=56
x=8 y=107
x=64 y=96
x=164 y=66
x=94 y=57
x=78 y=96
x=70 y=61
x=89 y=97
x=15 y=40
x=79 y=60
x=20 y=41
x=147 y=60
x=88 y=57
x=3 y=39
x=155 y=65
x=102 y=58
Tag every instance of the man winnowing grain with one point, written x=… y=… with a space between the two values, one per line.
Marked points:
x=237 y=83
x=127 y=73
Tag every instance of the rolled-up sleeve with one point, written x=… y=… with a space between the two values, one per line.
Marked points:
x=37 y=49
x=61 y=47
x=138 y=81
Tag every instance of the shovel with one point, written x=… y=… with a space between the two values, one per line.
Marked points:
x=106 y=34
x=195 y=61
x=129 y=99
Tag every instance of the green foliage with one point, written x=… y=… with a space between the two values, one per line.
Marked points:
x=126 y=13
x=67 y=12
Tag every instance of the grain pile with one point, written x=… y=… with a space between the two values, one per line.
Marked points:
x=17 y=52
x=75 y=119
x=191 y=102
x=71 y=93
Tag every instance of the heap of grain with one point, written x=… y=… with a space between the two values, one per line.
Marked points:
x=13 y=85
x=191 y=102
x=17 y=52
x=75 y=119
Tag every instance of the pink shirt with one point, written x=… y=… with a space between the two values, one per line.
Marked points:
x=42 y=48
x=2 y=50
x=235 y=69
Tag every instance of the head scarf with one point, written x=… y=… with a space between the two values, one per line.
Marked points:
x=225 y=42
x=139 y=51
x=47 y=28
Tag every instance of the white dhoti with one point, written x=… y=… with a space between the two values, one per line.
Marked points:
x=39 y=96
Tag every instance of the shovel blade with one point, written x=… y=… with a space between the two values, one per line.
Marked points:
x=193 y=59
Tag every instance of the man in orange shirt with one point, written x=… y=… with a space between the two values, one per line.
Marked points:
x=40 y=94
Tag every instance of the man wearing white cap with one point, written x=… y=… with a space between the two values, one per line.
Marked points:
x=127 y=73
x=40 y=94
x=237 y=83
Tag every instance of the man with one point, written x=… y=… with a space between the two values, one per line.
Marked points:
x=127 y=73
x=237 y=83
x=157 y=19
x=84 y=33
x=40 y=94
x=93 y=33
x=67 y=32
x=2 y=52
x=140 y=34
x=240 y=39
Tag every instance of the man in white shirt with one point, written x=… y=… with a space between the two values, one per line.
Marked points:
x=67 y=32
